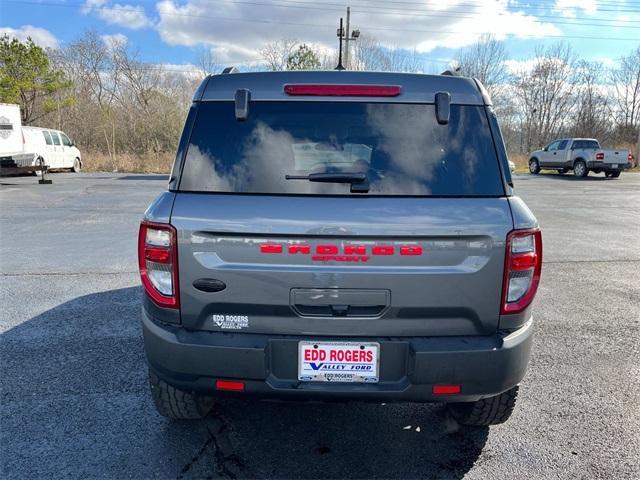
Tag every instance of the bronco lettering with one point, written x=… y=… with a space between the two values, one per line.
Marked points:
x=350 y=253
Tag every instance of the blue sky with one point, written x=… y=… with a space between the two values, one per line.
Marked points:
x=174 y=31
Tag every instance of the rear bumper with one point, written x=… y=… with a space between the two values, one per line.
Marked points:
x=409 y=367
x=607 y=167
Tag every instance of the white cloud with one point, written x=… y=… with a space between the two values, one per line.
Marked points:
x=40 y=36
x=128 y=16
x=114 y=40
x=193 y=22
x=519 y=66
x=569 y=8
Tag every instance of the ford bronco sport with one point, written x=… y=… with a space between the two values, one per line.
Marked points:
x=339 y=235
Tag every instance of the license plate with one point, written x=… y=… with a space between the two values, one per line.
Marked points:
x=614 y=165
x=355 y=362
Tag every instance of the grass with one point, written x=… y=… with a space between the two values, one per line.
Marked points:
x=128 y=163
x=162 y=162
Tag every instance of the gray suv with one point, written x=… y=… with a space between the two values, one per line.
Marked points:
x=339 y=235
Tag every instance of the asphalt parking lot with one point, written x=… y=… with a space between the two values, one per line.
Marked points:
x=75 y=403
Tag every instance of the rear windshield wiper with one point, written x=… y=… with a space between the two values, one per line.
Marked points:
x=359 y=181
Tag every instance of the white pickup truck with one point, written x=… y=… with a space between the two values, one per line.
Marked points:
x=582 y=155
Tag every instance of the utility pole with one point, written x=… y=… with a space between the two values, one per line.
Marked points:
x=348 y=37
x=346 y=40
x=340 y=36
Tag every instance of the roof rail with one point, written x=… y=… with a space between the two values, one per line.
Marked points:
x=230 y=70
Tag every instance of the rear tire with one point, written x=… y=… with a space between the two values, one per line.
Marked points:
x=615 y=174
x=534 y=166
x=76 y=166
x=580 y=169
x=488 y=411
x=178 y=404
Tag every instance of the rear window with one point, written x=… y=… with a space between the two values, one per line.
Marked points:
x=400 y=148
x=585 y=144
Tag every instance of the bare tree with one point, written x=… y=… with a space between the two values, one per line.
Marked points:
x=545 y=94
x=276 y=54
x=591 y=117
x=486 y=61
x=370 y=54
x=206 y=61
x=626 y=82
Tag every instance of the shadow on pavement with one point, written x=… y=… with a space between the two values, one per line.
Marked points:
x=572 y=178
x=164 y=178
x=75 y=403
x=352 y=440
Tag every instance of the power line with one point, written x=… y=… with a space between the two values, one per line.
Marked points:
x=314 y=25
x=462 y=4
x=409 y=13
x=378 y=10
x=393 y=10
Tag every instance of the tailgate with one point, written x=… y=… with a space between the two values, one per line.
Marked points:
x=341 y=265
x=616 y=156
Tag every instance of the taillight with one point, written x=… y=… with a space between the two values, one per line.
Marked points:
x=600 y=156
x=158 y=261
x=522 y=268
x=343 y=90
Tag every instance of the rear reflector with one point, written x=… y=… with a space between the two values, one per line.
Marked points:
x=158 y=255
x=230 y=385
x=344 y=90
x=446 y=389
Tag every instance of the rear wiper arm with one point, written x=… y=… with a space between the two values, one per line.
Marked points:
x=330 y=177
x=359 y=181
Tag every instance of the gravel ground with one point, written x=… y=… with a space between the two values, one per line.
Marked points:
x=73 y=382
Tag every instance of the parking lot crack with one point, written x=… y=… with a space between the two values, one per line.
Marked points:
x=227 y=464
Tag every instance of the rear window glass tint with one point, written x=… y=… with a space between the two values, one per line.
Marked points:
x=400 y=147
x=586 y=144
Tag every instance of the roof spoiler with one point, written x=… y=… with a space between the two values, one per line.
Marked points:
x=486 y=98
x=231 y=69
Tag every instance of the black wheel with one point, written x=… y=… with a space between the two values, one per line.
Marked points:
x=76 y=166
x=607 y=174
x=615 y=174
x=534 y=166
x=580 y=169
x=178 y=404
x=488 y=411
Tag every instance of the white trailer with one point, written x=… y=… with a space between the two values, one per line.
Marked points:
x=12 y=141
x=33 y=148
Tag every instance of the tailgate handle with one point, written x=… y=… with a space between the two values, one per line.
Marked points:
x=340 y=310
x=338 y=302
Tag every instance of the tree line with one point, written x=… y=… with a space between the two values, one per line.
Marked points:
x=109 y=101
